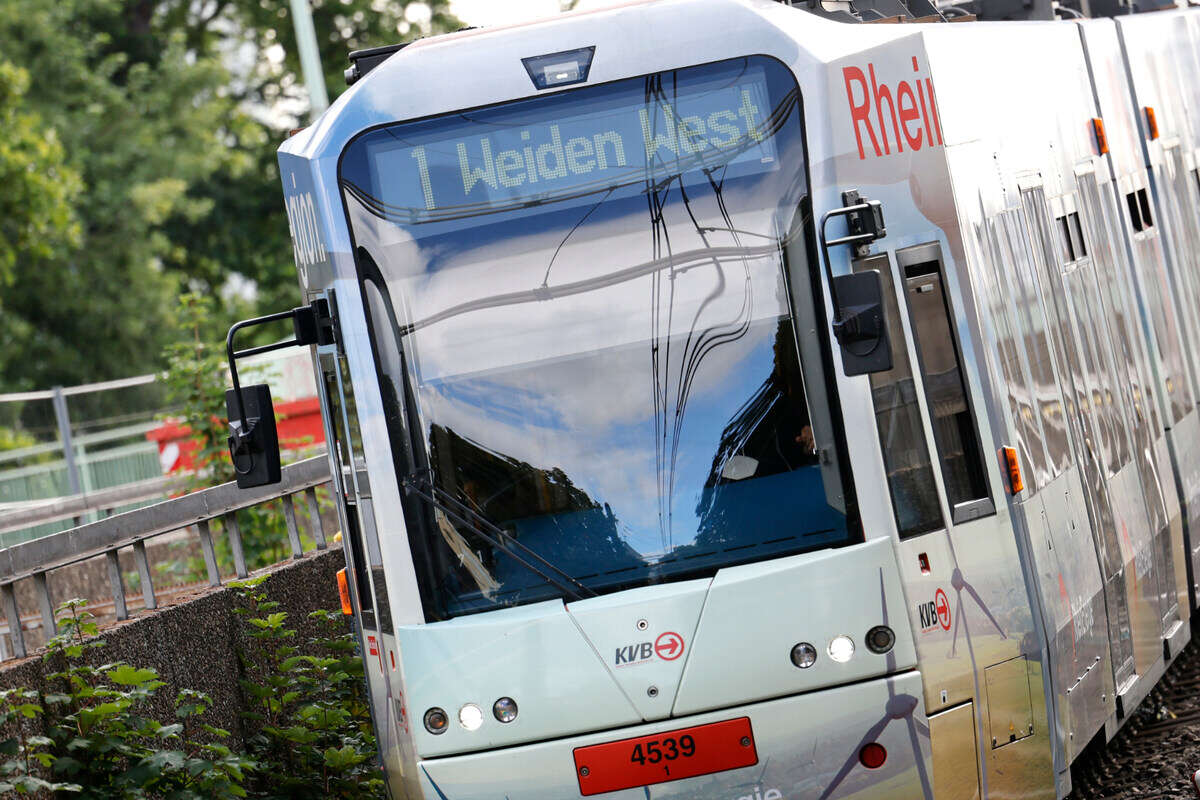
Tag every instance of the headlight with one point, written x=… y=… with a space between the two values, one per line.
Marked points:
x=841 y=648
x=470 y=717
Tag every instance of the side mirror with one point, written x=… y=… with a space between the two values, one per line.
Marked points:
x=253 y=440
x=860 y=328
x=858 y=321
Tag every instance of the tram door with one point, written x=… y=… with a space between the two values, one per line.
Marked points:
x=351 y=492
x=958 y=558
x=1097 y=429
x=1111 y=305
x=1177 y=192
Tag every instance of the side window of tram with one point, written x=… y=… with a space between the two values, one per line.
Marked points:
x=946 y=396
x=1139 y=210
x=898 y=420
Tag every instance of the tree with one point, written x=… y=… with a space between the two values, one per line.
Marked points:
x=167 y=115
x=36 y=206
x=137 y=133
x=251 y=234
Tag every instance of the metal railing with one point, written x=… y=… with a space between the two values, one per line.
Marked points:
x=35 y=560
x=18 y=516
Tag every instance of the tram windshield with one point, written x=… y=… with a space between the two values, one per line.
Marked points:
x=593 y=316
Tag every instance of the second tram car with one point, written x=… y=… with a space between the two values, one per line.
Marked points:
x=730 y=403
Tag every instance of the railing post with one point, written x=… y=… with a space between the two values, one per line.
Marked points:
x=63 y=418
x=14 y=620
x=289 y=514
x=235 y=544
x=143 y=568
x=118 y=584
x=210 y=555
x=314 y=518
x=45 y=604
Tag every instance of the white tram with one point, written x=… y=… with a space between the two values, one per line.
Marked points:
x=636 y=508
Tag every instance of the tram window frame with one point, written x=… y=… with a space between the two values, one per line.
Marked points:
x=1035 y=324
x=920 y=519
x=1119 y=299
x=921 y=263
x=1097 y=369
x=1066 y=240
x=1011 y=351
x=1139 y=210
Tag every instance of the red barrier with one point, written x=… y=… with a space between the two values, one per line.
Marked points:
x=298 y=421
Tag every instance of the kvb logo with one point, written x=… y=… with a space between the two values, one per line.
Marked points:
x=935 y=613
x=913 y=114
x=668 y=647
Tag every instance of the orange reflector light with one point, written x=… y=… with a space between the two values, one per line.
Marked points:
x=344 y=592
x=1101 y=138
x=1013 y=466
x=1151 y=123
x=872 y=755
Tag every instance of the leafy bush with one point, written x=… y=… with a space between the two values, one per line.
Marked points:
x=94 y=735
x=88 y=734
x=310 y=712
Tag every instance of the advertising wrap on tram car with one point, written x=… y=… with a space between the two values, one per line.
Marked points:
x=729 y=403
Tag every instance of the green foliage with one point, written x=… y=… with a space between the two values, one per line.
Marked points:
x=36 y=213
x=11 y=439
x=141 y=160
x=195 y=381
x=88 y=736
x=310 y=712
x=92 y=740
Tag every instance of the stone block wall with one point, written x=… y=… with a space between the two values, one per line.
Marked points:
x=193 y=643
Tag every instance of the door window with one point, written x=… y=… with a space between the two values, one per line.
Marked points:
x=946 y=396
x=898 y=420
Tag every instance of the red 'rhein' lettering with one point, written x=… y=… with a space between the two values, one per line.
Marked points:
x=898 y=111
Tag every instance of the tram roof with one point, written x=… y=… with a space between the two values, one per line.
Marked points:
x=478 y=67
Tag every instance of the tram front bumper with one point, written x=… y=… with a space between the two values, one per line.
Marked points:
x=806 y=746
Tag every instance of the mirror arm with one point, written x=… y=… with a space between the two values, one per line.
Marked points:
x=311 y=324
x=233 y=356
x=862 y=214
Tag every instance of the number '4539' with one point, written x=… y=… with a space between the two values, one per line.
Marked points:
x=666 y=749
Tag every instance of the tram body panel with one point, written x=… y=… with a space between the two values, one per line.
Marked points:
x=1136 y=346
x=973 y=574
x=791 y=761
x=1156 y=49
x=1016 y=117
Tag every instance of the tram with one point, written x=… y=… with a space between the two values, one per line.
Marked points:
x=728 y=402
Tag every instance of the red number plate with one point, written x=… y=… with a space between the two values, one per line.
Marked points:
x=667 y=756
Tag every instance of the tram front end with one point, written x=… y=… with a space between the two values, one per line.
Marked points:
x=590 y=426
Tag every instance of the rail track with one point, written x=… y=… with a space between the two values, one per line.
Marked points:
x=1155 y=755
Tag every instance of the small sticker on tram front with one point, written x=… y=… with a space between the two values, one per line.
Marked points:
x=935 y=613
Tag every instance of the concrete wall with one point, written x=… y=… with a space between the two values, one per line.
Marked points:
x=193 y=644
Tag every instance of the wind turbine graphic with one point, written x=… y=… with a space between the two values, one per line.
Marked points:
x=958 y=582
x=898 y=707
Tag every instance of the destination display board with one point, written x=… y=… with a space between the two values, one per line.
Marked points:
x=575 y=144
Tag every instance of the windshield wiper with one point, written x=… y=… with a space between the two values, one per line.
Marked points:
x=423 y=487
